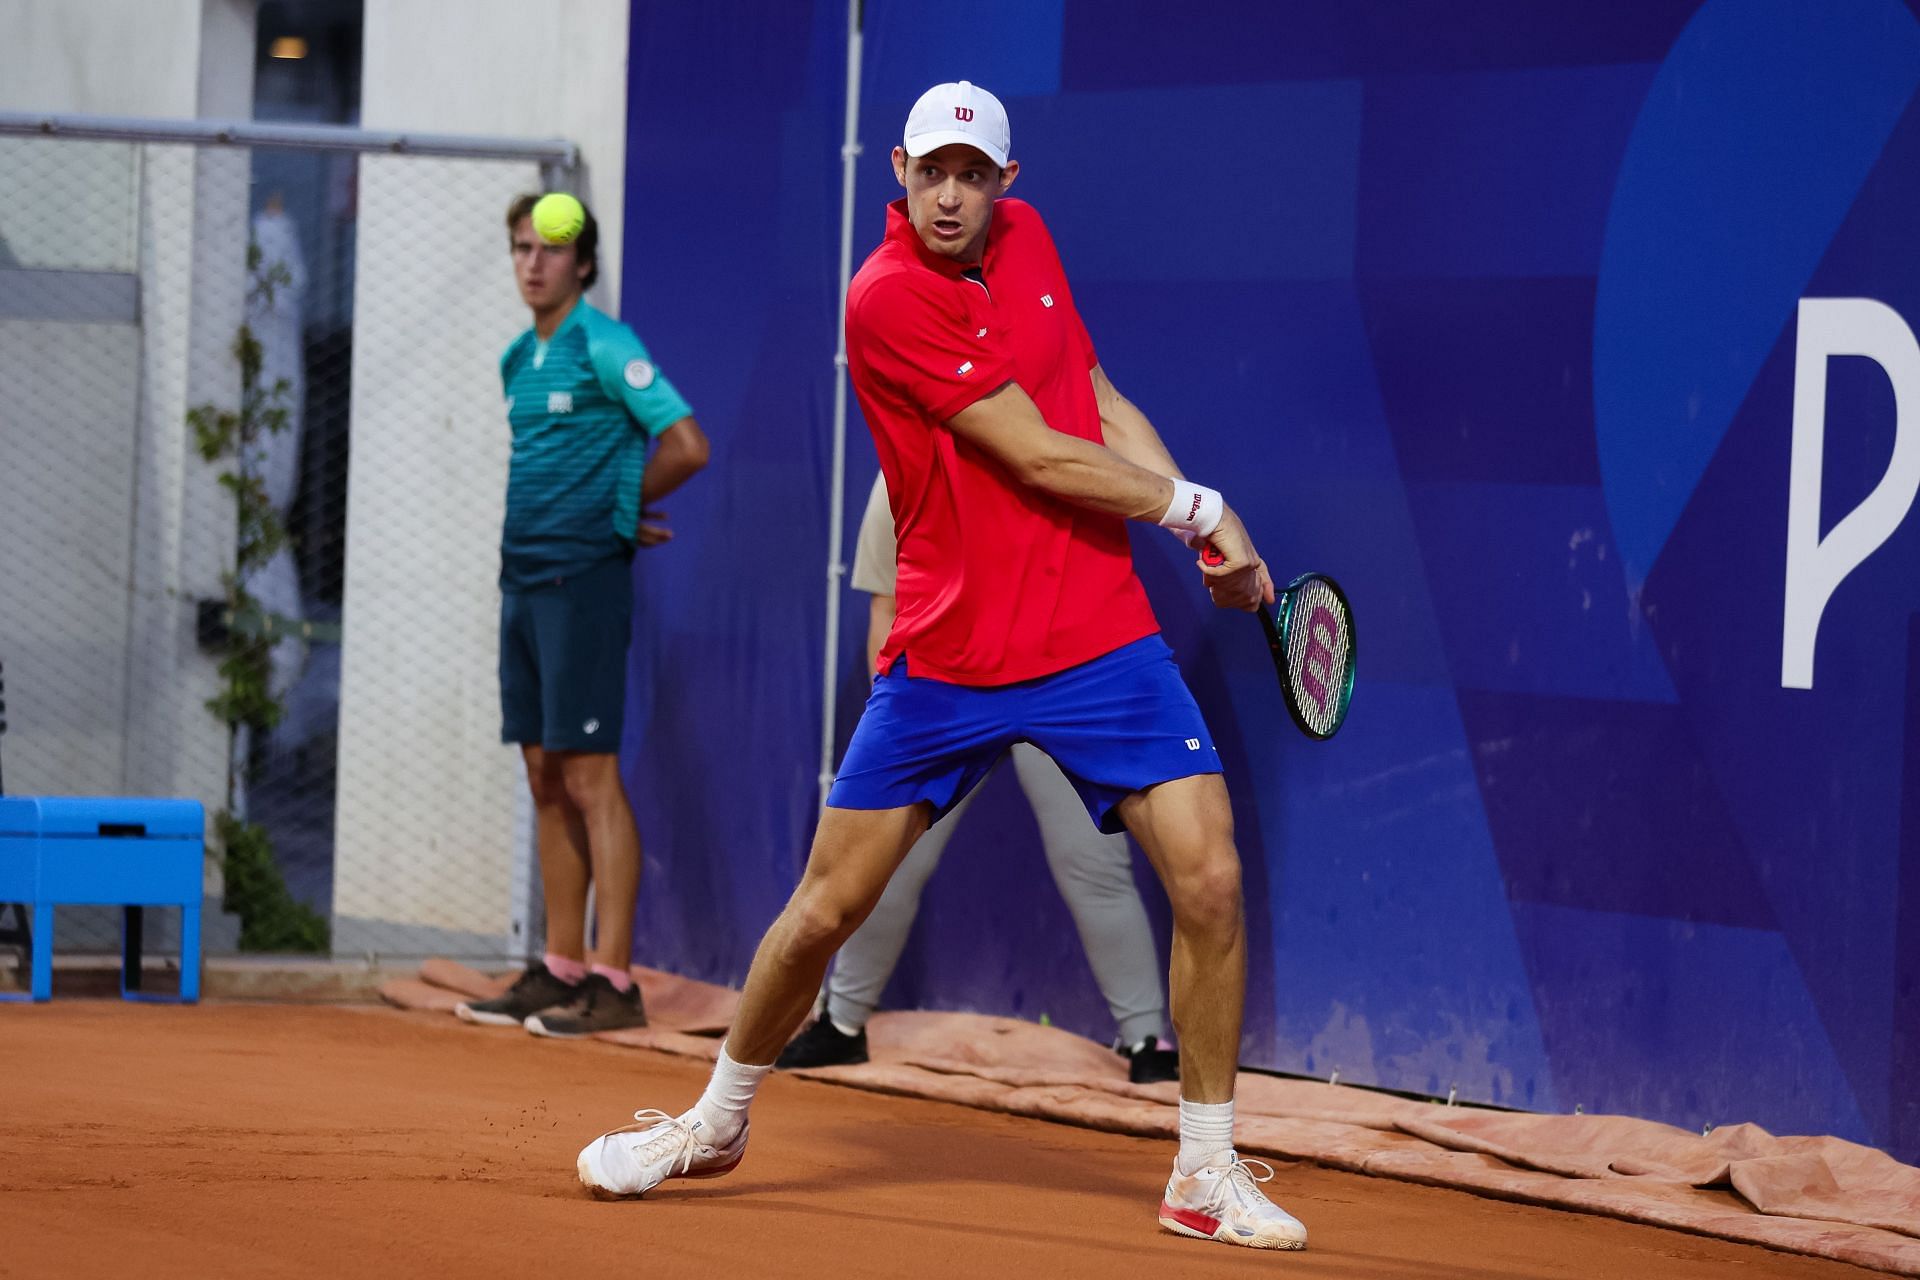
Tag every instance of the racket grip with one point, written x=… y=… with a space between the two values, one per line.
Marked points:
x=1210 y=556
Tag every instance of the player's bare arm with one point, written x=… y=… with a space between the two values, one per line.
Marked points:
x=1127 y=430
x=1129 y=433
x=1007 y=424
x=677 y=456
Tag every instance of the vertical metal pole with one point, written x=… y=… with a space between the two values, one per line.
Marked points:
x=836 y=531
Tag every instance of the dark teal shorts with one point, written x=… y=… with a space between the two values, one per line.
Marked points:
x=563 y=660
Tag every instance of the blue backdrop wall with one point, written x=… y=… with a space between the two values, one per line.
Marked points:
x=1491 y=309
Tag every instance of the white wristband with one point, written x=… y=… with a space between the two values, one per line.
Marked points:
x=1195 y=509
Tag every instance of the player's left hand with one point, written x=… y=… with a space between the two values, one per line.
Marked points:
x=1236 y=576
x=651 y=533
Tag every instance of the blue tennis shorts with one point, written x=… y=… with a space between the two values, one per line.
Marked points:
x=1116 y=725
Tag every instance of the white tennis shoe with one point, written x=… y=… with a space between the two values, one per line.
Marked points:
x=633 y=1160
x=1225 y=1203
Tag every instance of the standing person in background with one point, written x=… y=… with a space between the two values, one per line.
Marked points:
x=598 y=435
x=1094 y=872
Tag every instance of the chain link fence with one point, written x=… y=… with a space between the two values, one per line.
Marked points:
x=252 y=460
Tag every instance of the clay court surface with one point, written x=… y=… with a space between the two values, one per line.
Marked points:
x=270 y=1140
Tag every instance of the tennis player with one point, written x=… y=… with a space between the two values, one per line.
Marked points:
x=1012 y=465
x=598 y=434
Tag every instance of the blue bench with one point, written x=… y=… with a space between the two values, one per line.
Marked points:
x=119 y=851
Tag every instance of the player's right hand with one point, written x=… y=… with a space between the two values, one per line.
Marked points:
x=1236 y=576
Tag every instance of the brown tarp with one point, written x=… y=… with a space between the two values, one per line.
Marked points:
x=1811 y=1195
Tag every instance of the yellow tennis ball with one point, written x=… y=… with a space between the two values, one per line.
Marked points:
x=558 y=218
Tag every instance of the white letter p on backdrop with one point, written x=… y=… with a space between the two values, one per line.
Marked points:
x=1816 y=566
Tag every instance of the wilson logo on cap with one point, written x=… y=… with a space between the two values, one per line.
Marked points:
x=958 y=112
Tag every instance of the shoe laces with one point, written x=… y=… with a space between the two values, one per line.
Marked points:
x=676 y=1138
x=1245 y=1182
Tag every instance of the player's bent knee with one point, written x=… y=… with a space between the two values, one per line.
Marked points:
x=819 y=922
x=1207 y=896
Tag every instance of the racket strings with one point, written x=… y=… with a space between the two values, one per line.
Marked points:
x=1319 y=651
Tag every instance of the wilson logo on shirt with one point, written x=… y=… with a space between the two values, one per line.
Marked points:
x=559 y=402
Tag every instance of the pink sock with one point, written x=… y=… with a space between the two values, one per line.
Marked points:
x=622 y=980
x=569 y=971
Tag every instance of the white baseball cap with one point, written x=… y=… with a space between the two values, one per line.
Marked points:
x=959 y=112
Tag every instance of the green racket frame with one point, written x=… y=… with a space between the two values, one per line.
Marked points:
x=1276 y=645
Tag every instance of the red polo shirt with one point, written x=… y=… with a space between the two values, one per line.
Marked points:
x=998 y=582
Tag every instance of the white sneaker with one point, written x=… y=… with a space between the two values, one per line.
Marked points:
x=633 y=1160
x=1225 y=1203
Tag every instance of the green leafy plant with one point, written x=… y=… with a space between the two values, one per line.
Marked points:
x=271 y=919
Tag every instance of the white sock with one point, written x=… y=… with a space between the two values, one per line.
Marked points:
x=729 y=1093
x=1206 y=1135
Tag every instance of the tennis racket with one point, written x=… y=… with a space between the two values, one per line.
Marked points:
x=1310 y=635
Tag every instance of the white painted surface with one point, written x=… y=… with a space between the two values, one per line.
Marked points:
x=426 y=854
x=102 y=57
x=503 y=69
x=64 y=564
x=115 y=527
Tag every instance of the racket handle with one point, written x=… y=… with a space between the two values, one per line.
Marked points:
x=1210 y=556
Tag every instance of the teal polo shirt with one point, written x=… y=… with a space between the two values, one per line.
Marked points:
x=584 y=406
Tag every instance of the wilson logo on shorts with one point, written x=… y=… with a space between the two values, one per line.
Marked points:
x=1046 y=299
x=1193 y=744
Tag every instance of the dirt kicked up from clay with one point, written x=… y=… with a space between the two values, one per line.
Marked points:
x=276 y=1141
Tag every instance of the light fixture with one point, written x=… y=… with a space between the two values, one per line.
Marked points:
x=287 y=47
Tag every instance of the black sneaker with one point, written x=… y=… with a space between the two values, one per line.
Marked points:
x=823 y=1045
x=597 y=1006
x=534 y=990
x=1148 y=1063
